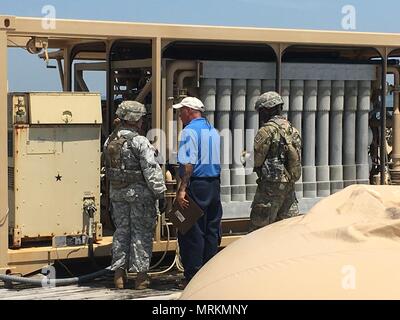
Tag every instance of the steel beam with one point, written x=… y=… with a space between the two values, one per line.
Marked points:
x=28 y=260
x=279 y=49
x=24 y=26
x=109 y=89
x=3 y=155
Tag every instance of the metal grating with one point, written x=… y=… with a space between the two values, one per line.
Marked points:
x=10 y=146
x=11 y=178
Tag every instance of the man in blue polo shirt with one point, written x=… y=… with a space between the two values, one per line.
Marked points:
x=199 y=170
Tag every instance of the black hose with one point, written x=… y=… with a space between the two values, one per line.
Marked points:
x=91 y=254
x=56 y=282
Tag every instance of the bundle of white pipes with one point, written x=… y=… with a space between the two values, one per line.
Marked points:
x=327 y=103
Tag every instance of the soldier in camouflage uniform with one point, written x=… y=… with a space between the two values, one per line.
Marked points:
x=275 y=198
x=136 y=182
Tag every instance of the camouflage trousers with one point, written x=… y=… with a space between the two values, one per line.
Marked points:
x=272 y=202
x=132 y=245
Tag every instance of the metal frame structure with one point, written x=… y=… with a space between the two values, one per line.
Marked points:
x=16 y=31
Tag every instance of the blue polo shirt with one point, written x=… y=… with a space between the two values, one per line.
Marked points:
x=200 y=146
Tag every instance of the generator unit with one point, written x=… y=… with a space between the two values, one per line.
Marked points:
x=54 y=167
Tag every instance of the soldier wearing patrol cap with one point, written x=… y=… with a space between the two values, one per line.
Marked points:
x=136 y=183
x=277 y=162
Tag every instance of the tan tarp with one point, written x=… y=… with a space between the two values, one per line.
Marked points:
x=346 y=247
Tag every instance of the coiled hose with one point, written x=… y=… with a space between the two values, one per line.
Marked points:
x=91 y=276
x=56 y=282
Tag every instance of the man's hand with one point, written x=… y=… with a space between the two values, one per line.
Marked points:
x=181 y=193
x=180 y=199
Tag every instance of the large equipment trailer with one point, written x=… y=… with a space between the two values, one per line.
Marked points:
x=53 y=196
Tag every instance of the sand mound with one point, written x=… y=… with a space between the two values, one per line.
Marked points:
x=346 y=247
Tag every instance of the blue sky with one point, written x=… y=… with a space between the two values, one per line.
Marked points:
x=371 y=15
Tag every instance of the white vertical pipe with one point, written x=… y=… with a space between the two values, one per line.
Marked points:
x=223 y=107
x=295 y=112
x=335 y=136
x=267 y=85
x=238 y=181
x=208 y=90
x=310 y=109
x=285 y=88
x=322 y=136
x=364 y=93
x=253 y=92
x=349 y=133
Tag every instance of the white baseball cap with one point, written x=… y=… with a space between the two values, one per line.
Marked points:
x=190 y=102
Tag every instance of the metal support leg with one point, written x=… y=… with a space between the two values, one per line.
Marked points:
x=383 y=119
x=278 y=49
x=109 y=89
x=278 y=76
x=3 y=155
x=395 y=170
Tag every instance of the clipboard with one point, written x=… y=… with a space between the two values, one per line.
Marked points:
x=184 y=219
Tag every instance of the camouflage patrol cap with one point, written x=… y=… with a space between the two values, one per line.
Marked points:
x=130 y=111
x=269 y=100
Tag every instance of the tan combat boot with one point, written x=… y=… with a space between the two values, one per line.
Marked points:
x=119 y=278
x=142 y=281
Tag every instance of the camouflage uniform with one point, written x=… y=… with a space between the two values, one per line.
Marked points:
x=134 y=204
x=275 y=197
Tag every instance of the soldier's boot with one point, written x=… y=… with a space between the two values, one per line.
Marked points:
x=119 y=278
x=142 y=281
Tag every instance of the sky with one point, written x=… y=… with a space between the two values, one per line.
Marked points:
x=28 y=73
